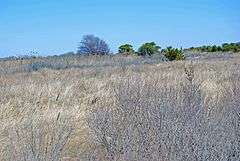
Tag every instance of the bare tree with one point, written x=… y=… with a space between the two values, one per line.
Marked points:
x=91 y=44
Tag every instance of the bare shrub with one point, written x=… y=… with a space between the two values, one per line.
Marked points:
x=39 y=139
x=120 y=108
x=155 y=120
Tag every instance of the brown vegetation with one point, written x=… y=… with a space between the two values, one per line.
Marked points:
x=122 y=109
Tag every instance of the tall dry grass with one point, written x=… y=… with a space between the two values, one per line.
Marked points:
x=121 y=111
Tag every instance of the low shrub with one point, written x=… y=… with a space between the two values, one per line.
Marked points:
x=148 y=49
x=173 y=53
x=126 y=49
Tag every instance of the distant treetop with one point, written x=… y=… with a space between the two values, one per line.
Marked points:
x=91 y=44
x=226 y=47
x=149 y=49
x=126 y=49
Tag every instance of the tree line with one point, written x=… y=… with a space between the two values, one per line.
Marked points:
x=226 y=47
x=92 y=45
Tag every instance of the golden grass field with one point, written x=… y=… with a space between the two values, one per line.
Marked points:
x=166 y=111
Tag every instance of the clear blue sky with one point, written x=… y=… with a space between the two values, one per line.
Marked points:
x=56 y=26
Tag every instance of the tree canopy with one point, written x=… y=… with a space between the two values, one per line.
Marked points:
x=126 y=49
x=149 y=49
x=91 y=44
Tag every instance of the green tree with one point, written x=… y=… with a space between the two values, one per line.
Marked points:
x=234 y=47
x=204 y=48
x=219 y=48
x=226 y=47
x=126 y=49
x=174 y=54
x=214 y=48
x=149 y=49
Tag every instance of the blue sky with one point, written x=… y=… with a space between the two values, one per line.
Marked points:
x=56 y=26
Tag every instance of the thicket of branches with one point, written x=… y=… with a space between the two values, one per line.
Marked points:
x=156 y=121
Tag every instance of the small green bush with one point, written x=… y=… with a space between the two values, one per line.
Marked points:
x=149 y=49
x=173 y=53
x=126 y=49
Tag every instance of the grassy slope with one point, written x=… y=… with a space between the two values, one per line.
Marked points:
x=50 y=108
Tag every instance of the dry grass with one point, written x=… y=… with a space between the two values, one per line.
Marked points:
x=114 y=109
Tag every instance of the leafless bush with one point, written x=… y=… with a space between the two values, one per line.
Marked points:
x=120 y=108
x=38 y=138
x=95 y=62
x=155 y=120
